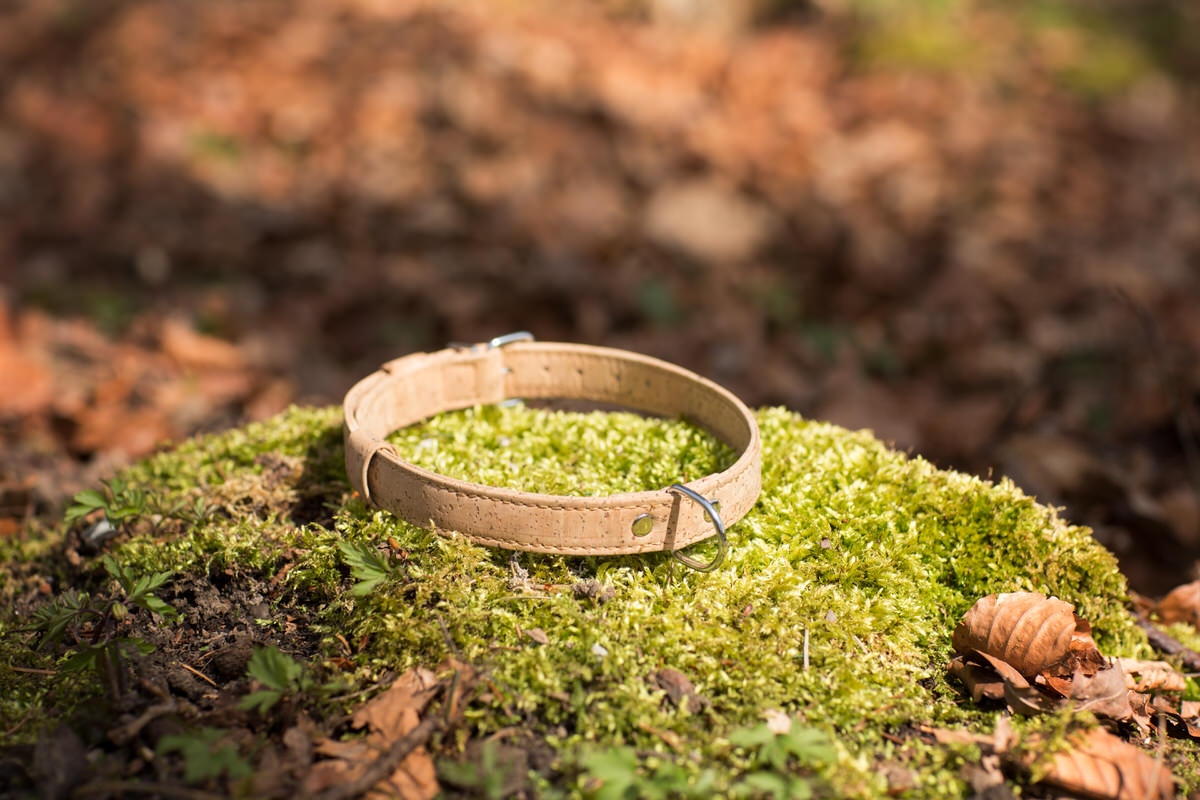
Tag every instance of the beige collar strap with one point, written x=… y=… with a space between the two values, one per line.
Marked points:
x=412 y=388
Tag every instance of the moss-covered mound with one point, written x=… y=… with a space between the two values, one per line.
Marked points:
x=835 y=605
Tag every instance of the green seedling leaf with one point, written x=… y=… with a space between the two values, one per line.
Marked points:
x=261 y=700
x=84 y=503
x=81 y=660
x=152 y=603
x=141 y=645
x=367 y=565
x=275 y=669
x=616 y=769
x=53 y=618
x=205 y=756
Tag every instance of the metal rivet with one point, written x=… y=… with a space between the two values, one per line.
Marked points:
x=642 y=525
x=715 y=504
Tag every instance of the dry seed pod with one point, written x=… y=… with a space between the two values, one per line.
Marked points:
x=1027 y=629
x=1103 y=766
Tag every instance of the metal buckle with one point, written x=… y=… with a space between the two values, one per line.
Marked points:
x=509 y=338
x=493 y=343
x=715 y=518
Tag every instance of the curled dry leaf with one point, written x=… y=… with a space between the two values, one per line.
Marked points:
x=1182 y=604
x=1182 y=716
x=1025 y=629
x=1148 y=676
x=1103 y=766
x=1022 y=697
x=1102 y=693
x=388 y=716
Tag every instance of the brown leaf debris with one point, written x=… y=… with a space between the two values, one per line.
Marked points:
x=1026 y=629
x=389 y=717
x=1103 y=766
x=1182 y=604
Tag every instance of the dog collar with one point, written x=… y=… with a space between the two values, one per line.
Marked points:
x=414 y=387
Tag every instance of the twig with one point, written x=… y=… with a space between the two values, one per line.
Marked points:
x=450 y=645
x=387 y=763
x=1165 y=643
x=198 y=673
x=125 y=733
x=21 y=722
x=123 y=788
x=35 y=671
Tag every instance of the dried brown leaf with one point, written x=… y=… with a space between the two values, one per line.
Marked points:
x=1182 y=604
x=1103 y=694
x=1104 y=767
x=538 y=635
x=395 y=711
x=1027 y=630
x=981 y=682
x=1022 y=697
x=195 y=350
x=390 y=715
x=1082 y=653
x=679 y=688
x=1146 y=676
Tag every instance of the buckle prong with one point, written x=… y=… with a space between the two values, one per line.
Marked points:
x=712 y=515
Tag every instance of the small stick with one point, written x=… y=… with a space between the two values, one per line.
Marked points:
x=198 y=673
x=449 y=640
x=35 y=671
x=387 y=763
x=1166 y=643
x=123 y=734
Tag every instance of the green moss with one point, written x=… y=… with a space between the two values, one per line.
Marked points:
x=871 y=554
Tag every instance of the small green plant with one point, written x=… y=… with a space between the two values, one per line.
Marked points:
x=779 y=757
x=205 y=755
x=92 y=623
x=367 y=565
x=616 y=774
x=280 y=673
x=118 y=500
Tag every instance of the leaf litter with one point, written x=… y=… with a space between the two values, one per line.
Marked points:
x=387 y=718
x=1037 y=656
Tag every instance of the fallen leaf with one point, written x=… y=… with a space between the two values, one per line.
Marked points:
x=708 y=220
x=195 y=350
x=538 y=635
x=1182 y=604
x=1183 y=715
x=1027 y=630
x=394 y=712
x=679 y=688
x=1103 y=694
x=981 y=682
x=389 y=716
x=986 y=779
x=1146 y=676
x=1022 y=696
x=1103 y=766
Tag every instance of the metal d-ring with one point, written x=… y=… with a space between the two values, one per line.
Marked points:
x=713 y=516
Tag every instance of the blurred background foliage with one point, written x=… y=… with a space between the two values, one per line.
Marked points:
x=971 y=226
